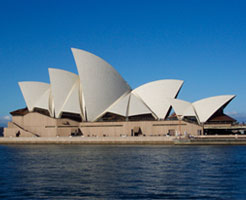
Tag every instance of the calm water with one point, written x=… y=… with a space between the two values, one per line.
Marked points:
x=122 y=172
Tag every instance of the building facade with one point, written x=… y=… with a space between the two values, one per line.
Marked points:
x=99 y=102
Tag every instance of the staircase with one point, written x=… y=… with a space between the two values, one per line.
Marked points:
x=34 y=134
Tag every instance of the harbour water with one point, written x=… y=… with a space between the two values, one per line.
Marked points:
x=122 y=172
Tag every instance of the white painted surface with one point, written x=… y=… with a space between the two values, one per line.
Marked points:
x=73 y=103
x=137 y=107
x=65 y=91
x=36 y=94
x=43 y=102
x=205 y=108
x=101 y=84
x=155 y=94
x=182 y=108
x=120 y=107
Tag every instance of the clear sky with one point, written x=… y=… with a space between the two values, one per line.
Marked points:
x=202 y=42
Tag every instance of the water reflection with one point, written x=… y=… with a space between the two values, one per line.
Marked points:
x=122 y=172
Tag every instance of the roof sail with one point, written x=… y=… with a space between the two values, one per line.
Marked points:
x=205 y=108
x=65 y=91
x=182 y=108
x=101 y=84
x=36 y=94
x=154 y=94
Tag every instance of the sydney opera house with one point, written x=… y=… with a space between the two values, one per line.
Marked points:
x=98 y=102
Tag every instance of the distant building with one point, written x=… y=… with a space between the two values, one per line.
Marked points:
x=99 y=102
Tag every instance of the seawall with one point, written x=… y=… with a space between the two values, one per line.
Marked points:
x=200 y=140
x=89 y=140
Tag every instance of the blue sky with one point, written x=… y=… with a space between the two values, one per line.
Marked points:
x=200 y=42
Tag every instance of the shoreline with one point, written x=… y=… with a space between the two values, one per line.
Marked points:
x=90 y=140
x=201 y=140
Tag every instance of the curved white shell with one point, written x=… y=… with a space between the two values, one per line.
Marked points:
x=120 y=106
x=205 y=108
x=36 y=94
x=65 y=88
x=182 y=108
x=154 y=94
x=101 y=84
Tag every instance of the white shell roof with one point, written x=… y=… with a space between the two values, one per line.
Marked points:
x=65 y=88
x=36 y=94
x=182 y=108
x=137 y=107
x=120 y=106
x=129 y=105
x=99 y=88
x=205 y=108
x=101 y=84
x=73 y=104
x=154 y=94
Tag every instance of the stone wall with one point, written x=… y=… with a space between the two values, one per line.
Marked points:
x=35 y=124
x=148 y=128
